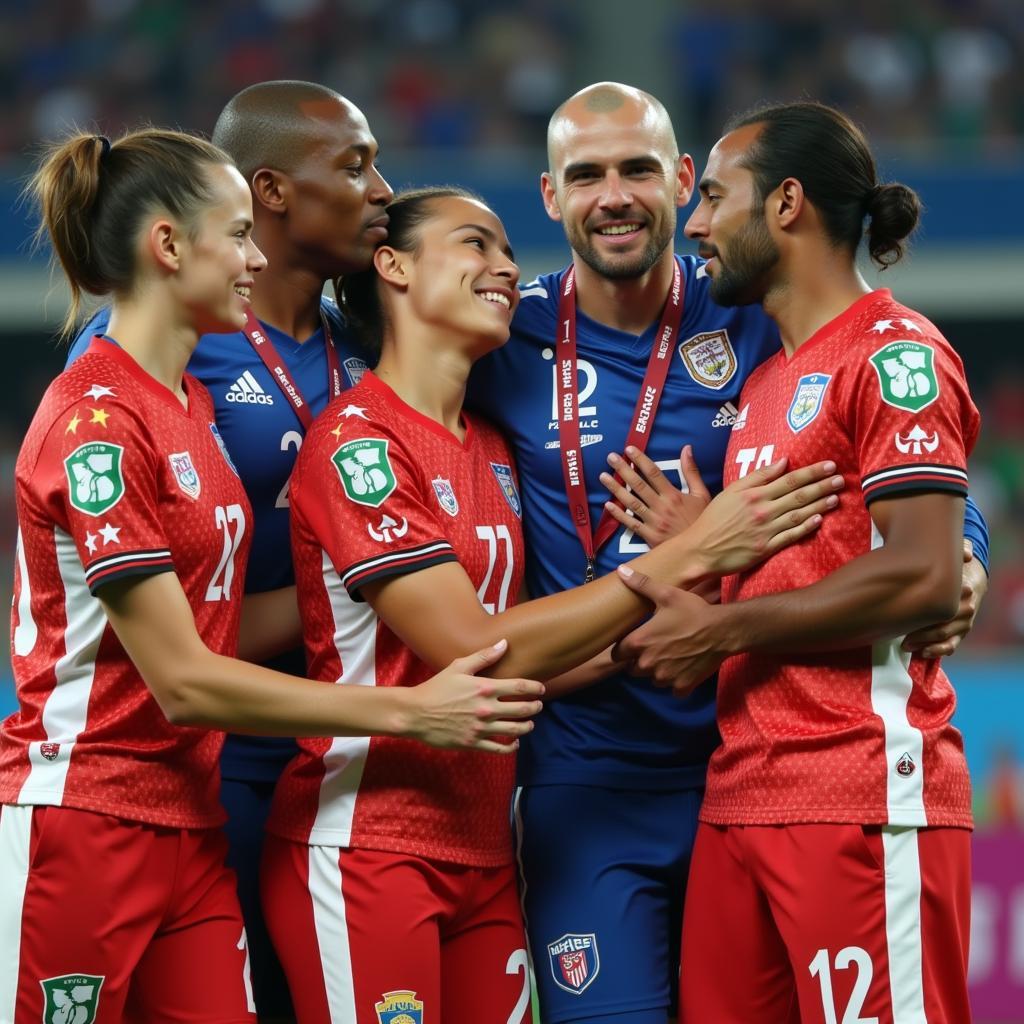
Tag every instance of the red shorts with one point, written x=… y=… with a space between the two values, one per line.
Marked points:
x=826 y=924
x=366 y=937
x=109 y=920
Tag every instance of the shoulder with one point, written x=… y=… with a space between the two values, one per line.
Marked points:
x=538 y=304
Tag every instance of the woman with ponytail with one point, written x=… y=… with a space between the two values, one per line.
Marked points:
x=833 y=855
x=133 y=534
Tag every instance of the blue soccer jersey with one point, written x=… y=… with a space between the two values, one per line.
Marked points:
x=622 y=731
x=263 y=435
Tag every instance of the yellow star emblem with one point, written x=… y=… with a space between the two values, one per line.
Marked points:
x=99 y=416
x=337 y=430
x=72 y=427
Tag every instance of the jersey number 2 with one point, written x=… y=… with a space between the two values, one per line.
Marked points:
x=231 y=521
x=490 y=535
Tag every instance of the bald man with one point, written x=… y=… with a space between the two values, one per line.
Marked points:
x=318 y=210
x=612 y=776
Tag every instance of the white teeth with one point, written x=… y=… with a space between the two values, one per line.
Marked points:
x=243 y=291
x=496 y=297
x=619 y=229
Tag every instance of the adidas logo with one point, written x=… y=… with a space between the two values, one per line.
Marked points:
x=247 y=390
x=726 y=416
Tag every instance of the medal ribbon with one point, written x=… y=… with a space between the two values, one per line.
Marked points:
x=568 y=405
x=267 y=351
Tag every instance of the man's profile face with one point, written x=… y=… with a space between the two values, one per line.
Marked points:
x=729 y=225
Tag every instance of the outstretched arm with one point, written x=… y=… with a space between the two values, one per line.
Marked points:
x=912 y=580
x=193 y=686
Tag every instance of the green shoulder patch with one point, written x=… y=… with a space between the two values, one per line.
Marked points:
x=95 y=481
x=906 y=374
x=365 y=470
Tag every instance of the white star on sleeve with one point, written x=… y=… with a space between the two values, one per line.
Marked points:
x=90 y=542
x=110 y=534
x=910 y=325
x=354 y=410
x=881 y=326
x=99 y=391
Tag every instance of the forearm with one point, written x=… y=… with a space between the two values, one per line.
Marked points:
x=597 y=668
x=206 y=689
x=550 y=635
x=879 y=595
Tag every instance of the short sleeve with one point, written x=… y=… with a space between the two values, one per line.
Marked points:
x=97 y=475
x=914 y=419
x=364 y=498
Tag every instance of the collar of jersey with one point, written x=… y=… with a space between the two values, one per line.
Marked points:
x=108 y=348
x=373 y=383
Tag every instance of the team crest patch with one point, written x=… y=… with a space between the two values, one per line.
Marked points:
x=223 y=447
x=71 y=998
x=49 y=750
x=507 y=484
x=400 y=1007
x=906 y=374
x=185 y=473
x=446 y=495
x=365 y=470
x=709 y=358
x=574 y=961
x=95 y=481
x=355 y=368
x=806 y=404
x=905 y=766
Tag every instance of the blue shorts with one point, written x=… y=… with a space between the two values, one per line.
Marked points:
x=603 y=876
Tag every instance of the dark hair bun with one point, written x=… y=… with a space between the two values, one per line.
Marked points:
x=894 y=211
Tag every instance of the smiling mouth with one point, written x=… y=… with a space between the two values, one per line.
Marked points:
x=496 y=297
x=244 y=290
x=618 y=230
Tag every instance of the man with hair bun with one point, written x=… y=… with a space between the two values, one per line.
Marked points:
x=832 y=862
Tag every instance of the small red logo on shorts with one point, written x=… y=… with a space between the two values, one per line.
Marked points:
x=905 y=766
x=49 y=750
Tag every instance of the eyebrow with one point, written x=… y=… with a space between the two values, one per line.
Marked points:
x=647 y=159
x=242 y=222
x=488 y=234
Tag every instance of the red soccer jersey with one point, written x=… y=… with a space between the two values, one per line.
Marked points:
x=379 y=490
x=115 y=479
x=862 y=735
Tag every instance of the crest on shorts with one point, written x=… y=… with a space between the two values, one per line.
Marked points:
x=185 y=473
x=49 y=750
x=575 y=962
x=446 y=495
x=71 y=998
x=400 y=1007
x=905 y=766
x=507 y=484
x=709 y=358
x=806 y=404
x=906 y=374
x=365 y=470
x=95 y=483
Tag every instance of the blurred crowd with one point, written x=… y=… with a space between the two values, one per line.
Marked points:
x=469 y=73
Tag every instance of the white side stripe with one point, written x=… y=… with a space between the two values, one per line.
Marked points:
x=67 y=707
x=891 y=687
x=355 y=639
x=903 y=924
x=331 y=927
x=15 y=835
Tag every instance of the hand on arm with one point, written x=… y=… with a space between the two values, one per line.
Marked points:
x=193 y=686
x=942 y=640
x=912 y=580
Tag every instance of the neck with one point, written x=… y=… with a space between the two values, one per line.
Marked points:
x=429 y=377
x=286 y=295
x=153 y=332
x=625 y=304
x=817 y=289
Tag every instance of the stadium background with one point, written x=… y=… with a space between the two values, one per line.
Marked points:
x=460 y=91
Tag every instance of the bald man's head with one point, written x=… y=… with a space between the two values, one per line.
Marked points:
x=613 y=104
x=274 y=124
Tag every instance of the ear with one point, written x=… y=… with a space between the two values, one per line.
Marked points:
x=164 y=244
x=390 y=265
x=786 y=202
x=685 y=178
x=271 y=189
x=547 y=192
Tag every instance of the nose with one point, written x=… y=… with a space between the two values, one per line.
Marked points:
x=254 y=258
x=381 y=193
x=505 y=267
x=615 y=195
x=697 y=223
